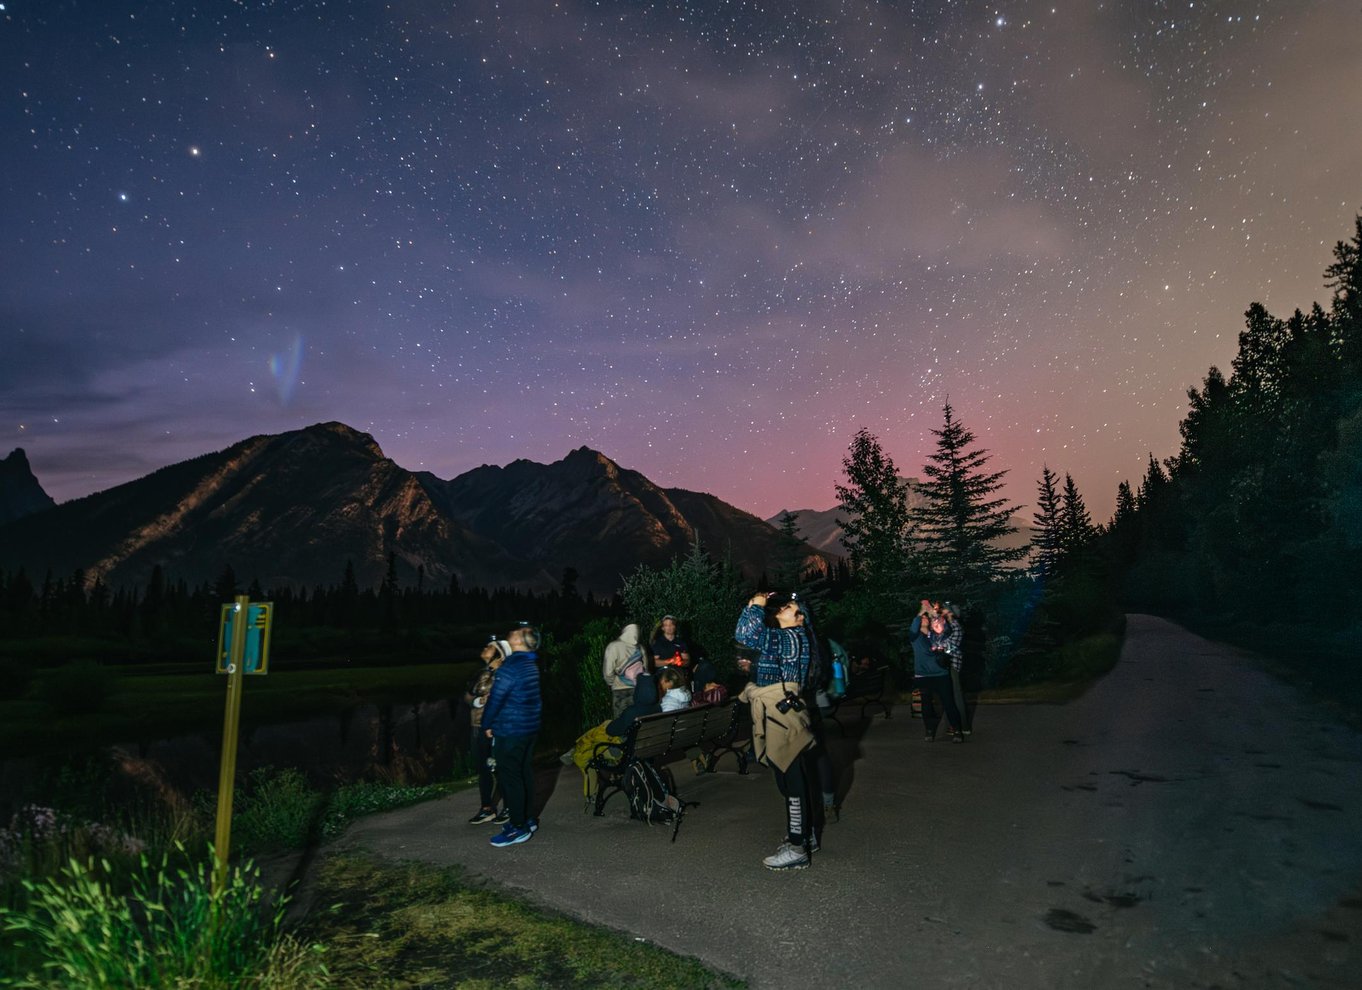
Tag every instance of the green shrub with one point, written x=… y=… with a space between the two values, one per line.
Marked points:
x=364 y=798
x=160 y=926
x=79 y=688
x=277 y=809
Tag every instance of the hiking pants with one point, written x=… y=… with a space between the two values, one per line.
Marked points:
x=794 y=788
x=515 y=774
x=959 y=696
x=940 y=686
x=482 y=752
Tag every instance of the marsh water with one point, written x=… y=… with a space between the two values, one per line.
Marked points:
x=412 y=743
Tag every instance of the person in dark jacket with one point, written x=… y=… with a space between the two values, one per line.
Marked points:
x=645 y=702
x=668 y=648
x=930 y=677
x=511 y=720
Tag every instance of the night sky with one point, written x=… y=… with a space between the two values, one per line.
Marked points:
x=710 y=240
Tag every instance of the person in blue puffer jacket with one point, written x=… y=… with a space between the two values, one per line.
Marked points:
x=511 y=720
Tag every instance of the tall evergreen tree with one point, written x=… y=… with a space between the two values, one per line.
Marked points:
x=1047 y=524
x=1077 y=529
x=962 y=519
x=789 y=564
x=877 y=525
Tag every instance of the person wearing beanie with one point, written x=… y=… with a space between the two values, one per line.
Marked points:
x=480 y=746
x=511 y=719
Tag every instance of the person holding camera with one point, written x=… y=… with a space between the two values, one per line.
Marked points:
x=930 y=676
x=781 y=733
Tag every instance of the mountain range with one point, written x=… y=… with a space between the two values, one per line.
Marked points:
x=294 y=508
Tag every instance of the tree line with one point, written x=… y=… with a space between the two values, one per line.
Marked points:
x=160 y=617
x=1256 y=521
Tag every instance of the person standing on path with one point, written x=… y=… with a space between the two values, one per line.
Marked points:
x=952 y=643
x=770 y=624
x=620 y=668
x=493 y=655
x=511 y=719
x=930 y=676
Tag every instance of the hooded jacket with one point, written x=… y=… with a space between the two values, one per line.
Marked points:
x=618 y=654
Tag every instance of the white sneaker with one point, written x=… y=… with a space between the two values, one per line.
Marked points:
x=786 y=857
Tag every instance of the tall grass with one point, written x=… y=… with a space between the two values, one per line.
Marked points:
x=160 y=926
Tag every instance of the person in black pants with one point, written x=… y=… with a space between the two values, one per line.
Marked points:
x=511 y=719
x=931 y=678
x=493 y=654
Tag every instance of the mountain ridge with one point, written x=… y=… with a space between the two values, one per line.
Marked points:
x=293 y=508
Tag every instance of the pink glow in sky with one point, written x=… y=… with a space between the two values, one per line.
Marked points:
x=708 y=243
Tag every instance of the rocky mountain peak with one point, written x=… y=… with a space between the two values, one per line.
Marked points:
x=588 y=461
x=20 y=493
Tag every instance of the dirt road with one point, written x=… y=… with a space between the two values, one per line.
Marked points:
x=1190 y=822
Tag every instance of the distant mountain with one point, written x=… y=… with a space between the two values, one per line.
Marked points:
x=294 y=508
x=20 y=493
x=588 y=513
x=819 y=527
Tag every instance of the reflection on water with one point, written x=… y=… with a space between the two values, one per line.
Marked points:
x=403 y=743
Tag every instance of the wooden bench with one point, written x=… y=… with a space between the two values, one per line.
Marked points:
x=653 y=738
x=866 y=690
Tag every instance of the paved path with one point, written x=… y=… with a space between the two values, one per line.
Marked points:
x=1191 y=821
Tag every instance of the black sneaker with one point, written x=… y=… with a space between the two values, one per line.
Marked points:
x=929 y=738
x=503 y=817
x=483 y=816
x=957 y=738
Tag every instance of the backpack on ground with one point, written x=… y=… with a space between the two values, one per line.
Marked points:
x=652 y=794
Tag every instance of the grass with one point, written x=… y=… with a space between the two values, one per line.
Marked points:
x=391 y=926
x=158 y=925
x=138 y=706
x=134 y=921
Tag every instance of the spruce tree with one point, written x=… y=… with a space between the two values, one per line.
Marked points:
x=877 y=525
x=1076 y=528
x=1046 y=520
x=961 y=520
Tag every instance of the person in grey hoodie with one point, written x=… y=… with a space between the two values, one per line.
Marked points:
x=623 y=663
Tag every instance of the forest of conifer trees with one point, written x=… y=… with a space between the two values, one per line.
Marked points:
x=1256 y=521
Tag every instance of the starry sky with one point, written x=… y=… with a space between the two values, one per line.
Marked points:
x=708 y=239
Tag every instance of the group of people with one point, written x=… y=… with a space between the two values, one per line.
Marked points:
x=791 y=673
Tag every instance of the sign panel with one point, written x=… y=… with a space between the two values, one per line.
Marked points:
x=256 y=654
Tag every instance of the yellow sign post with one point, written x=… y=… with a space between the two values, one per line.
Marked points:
x=243 y=648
